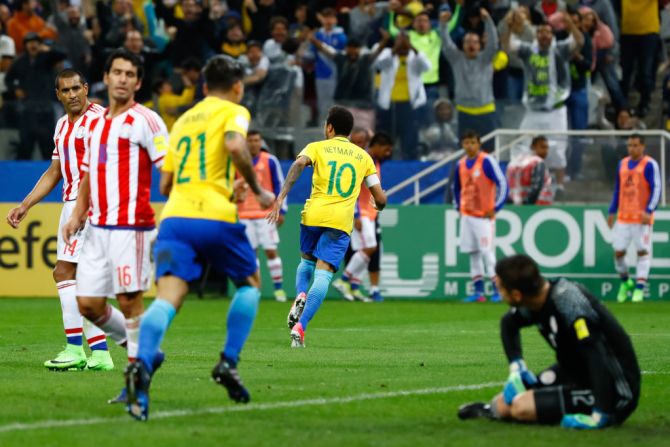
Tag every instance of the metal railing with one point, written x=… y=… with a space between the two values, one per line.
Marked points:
x=502 y=148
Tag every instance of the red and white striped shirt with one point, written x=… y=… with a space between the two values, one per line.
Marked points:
x=119 y=155
x=70 y=148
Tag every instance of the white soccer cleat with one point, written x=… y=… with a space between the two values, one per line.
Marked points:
x=344 y=288
x=296 y=310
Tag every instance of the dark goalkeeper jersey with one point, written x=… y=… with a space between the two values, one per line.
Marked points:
x=590 y=344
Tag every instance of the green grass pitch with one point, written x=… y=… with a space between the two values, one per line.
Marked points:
x=390 y=374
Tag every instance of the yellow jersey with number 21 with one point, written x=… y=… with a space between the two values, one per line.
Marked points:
x=203 y=179
x=340 y=167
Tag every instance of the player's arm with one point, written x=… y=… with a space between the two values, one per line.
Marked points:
x=653 y=177
x=293 y=175
x=493 y=172
x=80 y=212
x=277 y=178
x=236 y=144
x=614 y=205
x=376 y=191
x=536 y=183
x=520 y=378
x=44 y=186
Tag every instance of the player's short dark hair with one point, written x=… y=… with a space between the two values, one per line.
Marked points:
x=252 y=132
x=69 y=73
x=538 y=139
x=191 y=63
x=329 y=12
x=381 y=138
x=222 y=72
x=124 y=54
x=276 y=21
x=469 y=133
x=520 y=272
x=341 y=119
x=254 y=43
x=639 y=138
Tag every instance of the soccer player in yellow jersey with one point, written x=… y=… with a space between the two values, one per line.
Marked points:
x=199 y=223
x=340 y=167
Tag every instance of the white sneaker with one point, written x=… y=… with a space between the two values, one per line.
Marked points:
x=280 y=296
x=344 y=288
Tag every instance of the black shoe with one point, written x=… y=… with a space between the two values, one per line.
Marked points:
x=225 y=374
x=474 y=410
x=138 y=381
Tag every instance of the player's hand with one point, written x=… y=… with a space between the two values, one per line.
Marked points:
x=273 y=216
x=280 y=220
x=71 y=227
x=445 y=16
x=592 y=421
x=240 y=190
x=265 y=199
x=490 y=214
x=646 y=219
x=610 y=220
x=16 y=215
x=358 y=225
x=519 y=380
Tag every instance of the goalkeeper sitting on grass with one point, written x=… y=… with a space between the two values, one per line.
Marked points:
x=596 y=380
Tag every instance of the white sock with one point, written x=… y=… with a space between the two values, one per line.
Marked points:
x=114 y=324
x=489 y=258
x=643 y=267
x=476 y=271
x=72 y=319
x=94 y=335
x=133 y=334
x=357 y=265
x=275 y=268
x=621 y=266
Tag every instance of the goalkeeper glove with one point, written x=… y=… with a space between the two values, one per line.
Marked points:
x=520 y=379
x=596 y=419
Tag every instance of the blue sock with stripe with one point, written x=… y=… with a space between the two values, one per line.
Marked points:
x=303 y=275
x=154 y=325
x=316 y=295
x=73 y=339
x=241 y=316
x=479 y=286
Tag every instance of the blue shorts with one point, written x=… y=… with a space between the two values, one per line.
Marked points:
x=184 y=245
x=327 y=244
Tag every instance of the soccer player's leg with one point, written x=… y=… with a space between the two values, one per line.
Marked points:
x=236 y=258
x=470 y=246
x=622 y=238
x=269 y=240
x=348 y=282
x=374 y=267
x=309 y=237
x=330 y=251
x=642 y=238
x=486 y=233
x=365 y=243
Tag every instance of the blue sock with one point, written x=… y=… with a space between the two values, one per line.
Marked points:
x=639 y=285
x=303 y=275
x=479 y=286
x=241 y=315
x=345 y=277
x=155 y=323
x=74 y=339
x=624 y=278
x=493 y=285
x=278 y=285
x=102 y=346
x=316 y=295
x=355 y=286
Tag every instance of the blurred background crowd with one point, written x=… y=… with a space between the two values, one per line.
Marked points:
x=422 y=71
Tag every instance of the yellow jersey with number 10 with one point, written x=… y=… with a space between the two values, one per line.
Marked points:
x=340 y=167
x=203 y=171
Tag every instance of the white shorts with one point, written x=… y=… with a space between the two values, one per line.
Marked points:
x=476 y=233
x=367 y=237
x=262 y=233
x=638 y=234
x=115 y=261
x=551 y=120
x=70 y=253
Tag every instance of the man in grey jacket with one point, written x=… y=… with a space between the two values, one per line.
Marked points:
x=473 y=76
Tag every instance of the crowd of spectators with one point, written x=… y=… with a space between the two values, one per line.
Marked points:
x=423 y=71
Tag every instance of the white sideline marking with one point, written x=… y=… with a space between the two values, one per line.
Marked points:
x=60 y=423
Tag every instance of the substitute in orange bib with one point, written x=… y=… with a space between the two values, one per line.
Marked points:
x=637 y=191
x=480 y=191
x=528 y=176
x=259 y=231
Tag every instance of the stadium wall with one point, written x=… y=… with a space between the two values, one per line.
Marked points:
x=420 y=250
